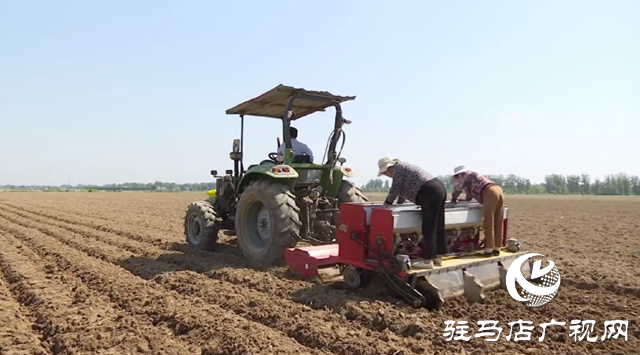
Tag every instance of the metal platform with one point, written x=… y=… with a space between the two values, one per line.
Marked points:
x=471 y=275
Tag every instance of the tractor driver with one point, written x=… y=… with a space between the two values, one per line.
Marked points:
x=299 y=148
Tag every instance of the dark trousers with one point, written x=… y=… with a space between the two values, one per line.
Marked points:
x=432 y=197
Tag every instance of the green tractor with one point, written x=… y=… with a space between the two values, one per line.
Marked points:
x=284 y=200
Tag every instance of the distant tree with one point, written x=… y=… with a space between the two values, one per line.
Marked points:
x=612 y=184
x=618 y=184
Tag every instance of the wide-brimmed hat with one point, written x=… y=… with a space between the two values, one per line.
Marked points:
x=460 y=169
x=385 y=163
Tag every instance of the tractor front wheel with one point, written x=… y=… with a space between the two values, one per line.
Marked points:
x=267 y=221
x=200 y=228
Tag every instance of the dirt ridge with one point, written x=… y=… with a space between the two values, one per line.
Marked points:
x=276 y=312
x=225 y=333
x=124 y=256
x=266 y=283
x=73 y=318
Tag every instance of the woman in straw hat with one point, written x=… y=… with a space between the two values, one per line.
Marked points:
x=491 y=196
x=412 y=183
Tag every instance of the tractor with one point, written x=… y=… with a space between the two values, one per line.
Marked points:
x=284 y=200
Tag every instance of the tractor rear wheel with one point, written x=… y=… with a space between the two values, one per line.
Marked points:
x=267 y=221
x=200 y=228
x=349 y=192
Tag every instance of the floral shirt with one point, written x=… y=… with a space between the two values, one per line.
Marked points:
x=408 y=179
x=473 y=185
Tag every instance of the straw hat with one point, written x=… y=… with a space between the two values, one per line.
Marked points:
x=385 y=163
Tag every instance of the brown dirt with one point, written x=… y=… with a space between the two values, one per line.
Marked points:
x=109 y=273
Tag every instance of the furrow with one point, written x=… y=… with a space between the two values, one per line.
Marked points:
x=74 y=318
x=364 y=311
x=216 y=329
x=295 y=320
x=377 y=316
x=117 y=238
x=85 y=210
x=111 y=227
x=18 y=334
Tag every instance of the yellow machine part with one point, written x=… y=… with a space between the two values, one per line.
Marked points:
x=470 y=275
x=212 y=193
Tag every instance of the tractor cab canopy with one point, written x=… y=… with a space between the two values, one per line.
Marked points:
x=288 y=104
x=274 y=102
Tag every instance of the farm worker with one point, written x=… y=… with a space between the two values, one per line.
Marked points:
x=491 y=196
x=412 y=183
x=299 y=148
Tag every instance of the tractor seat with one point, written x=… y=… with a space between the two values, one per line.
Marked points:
x=301 y=159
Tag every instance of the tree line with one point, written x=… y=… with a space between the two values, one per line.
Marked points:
x=128 y=186
x=618 y=184
x=556 y=184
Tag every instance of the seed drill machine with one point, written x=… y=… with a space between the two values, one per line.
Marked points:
x=376 y=241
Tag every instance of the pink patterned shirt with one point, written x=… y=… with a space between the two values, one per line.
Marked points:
x=473 y=185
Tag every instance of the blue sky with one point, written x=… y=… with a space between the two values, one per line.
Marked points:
x=117 y=91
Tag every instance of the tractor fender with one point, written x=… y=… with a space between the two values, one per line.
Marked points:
x=339 y=173
x=283 y=173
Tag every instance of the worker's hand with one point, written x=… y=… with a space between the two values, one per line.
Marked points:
x=386 y=205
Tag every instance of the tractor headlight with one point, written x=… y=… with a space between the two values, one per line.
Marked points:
x=346 y=171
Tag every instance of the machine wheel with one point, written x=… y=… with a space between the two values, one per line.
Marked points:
x=200 y=227
x=352 y=277
x=349 y=192
x=433 y=301
x=267 y=221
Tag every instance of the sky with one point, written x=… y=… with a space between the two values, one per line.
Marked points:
x=118 y=91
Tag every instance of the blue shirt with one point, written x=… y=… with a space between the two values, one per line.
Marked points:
x=298 y=147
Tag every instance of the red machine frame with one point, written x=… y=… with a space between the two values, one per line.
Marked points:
x=358 y=245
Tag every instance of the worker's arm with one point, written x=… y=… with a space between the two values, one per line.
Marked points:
x=458 y=188
x=467 y=185
x=468 y=196
x=396 y=187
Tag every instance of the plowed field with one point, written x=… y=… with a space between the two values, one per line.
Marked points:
x=110 y=273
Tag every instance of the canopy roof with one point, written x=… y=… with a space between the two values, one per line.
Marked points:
x=273 y=103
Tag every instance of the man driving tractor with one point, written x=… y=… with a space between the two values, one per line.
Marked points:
x=299 y=148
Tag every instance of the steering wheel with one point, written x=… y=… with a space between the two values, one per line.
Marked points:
x=274 y=157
